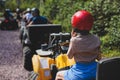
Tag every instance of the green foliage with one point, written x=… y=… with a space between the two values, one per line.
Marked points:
x=104 y=11
x=111 y=53
x=2 y=5
x=29 y=4
x=23 y=4
x=113 y=39
x=1 y=14
x=11 y=4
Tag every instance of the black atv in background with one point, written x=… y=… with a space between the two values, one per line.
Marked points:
x=9 y=23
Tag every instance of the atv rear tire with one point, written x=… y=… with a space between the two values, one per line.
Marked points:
x=27 y=58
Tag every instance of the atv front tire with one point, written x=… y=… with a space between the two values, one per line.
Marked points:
x=32 y=76
x=27 y=58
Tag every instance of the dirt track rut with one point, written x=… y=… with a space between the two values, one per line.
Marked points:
x=11 y=67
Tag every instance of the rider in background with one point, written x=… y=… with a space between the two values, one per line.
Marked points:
x=27 y=15
x=84 y=48
x=8 y=15
x=18 y=15
x=37 y=18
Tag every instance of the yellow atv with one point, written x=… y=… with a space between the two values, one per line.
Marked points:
x=51 y=58
x=32 y=37
x=44 y=51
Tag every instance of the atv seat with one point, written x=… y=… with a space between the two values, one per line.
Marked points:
x=108 y=69
x=39 y=34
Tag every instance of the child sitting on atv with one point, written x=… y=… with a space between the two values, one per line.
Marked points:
x=84 y=47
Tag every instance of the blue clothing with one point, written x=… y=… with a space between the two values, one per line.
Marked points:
x=39 y=20
x=81 y=71
x=8 y=15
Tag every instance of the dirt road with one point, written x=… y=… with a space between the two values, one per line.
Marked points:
x=11 y=67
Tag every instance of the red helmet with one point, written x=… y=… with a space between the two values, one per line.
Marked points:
x=82 y=20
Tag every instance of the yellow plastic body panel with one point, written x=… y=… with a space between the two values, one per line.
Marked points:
x=63 y=61
x=41 y=66
x=36 y=63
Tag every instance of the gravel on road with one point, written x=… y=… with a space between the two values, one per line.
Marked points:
x=11 y=64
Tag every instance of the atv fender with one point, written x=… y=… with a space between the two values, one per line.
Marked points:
x=63 y=61
x=42 y=66
x=36 y=63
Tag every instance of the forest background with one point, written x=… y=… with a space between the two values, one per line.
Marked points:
x=106 y=15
